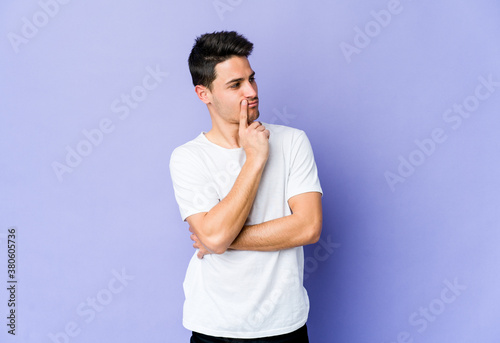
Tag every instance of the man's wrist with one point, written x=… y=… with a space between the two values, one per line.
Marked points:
x=255 y=162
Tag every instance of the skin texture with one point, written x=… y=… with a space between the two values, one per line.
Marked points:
x=232 y=101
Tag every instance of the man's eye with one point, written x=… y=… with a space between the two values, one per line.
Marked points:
x=235 y=85
x=252 y=79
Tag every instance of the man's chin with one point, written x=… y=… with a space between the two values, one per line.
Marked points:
x=253 y=116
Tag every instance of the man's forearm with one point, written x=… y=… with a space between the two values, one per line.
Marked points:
x=300 y=228
x=277 y=234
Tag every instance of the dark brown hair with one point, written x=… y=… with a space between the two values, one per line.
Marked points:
x=213 y=48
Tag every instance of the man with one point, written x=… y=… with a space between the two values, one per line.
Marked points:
x=251 y=195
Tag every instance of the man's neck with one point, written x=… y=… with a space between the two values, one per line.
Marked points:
x=224 y=134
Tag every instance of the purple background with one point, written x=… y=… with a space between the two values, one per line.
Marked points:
x=396 y=250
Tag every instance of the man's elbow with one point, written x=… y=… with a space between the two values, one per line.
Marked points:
x=213 y=240
x=216 y=245
x=219 y=249
x=314 y=230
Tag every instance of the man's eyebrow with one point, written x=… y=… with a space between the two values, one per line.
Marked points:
x=240 y=79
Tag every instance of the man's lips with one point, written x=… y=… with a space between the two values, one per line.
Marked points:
x=252 y=104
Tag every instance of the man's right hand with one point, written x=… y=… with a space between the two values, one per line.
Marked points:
x=254 y=137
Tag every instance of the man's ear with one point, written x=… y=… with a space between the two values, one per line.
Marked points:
x=203 y=93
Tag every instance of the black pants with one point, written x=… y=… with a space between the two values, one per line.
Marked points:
x=299 y=336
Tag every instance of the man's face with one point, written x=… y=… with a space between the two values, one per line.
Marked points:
x=234 y=82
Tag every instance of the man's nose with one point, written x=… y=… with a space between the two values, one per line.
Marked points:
x=250 y=90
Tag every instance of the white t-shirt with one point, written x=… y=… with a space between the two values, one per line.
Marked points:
x=245 y=294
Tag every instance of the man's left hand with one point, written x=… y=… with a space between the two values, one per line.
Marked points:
x=198 y=245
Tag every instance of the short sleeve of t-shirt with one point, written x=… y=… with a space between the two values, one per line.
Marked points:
x=189 y=178
x=303 y=176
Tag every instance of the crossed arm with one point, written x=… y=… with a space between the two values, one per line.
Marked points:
x=300 y=228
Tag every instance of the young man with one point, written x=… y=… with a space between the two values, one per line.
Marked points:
x=251 y=195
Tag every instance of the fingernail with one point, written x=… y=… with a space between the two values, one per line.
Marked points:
x=244 y=102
